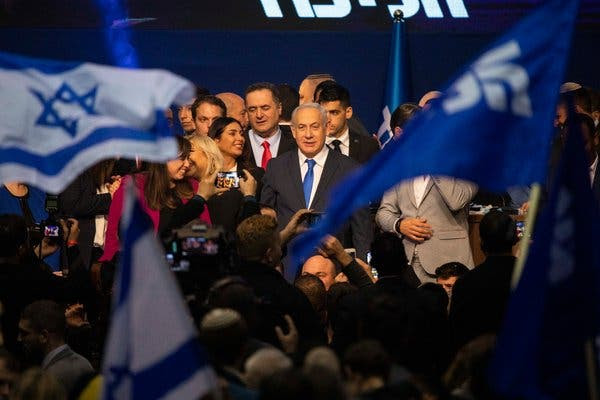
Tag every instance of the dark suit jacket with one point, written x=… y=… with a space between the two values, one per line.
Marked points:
x=362 y=147
x=286 y=144
x=80 y=201
x=596 y=183
x=479 y=299
x=282 y=190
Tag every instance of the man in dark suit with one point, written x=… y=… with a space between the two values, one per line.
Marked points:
x=480 y=296
x=266 y=139
x=335 y=99
x=303 y=178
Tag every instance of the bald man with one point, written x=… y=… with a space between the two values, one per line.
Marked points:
x=236 y=107
x=321 y=267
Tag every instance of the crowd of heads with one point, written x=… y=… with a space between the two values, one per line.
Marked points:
x=343 y=328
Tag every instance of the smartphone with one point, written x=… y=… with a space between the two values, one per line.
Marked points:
x=313 y=218
x=227 y=180
x=51 y=231
x=520 y=229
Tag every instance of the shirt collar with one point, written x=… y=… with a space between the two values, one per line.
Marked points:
x=320 y=158
x=53 y=354
x=259 y=139
x=344 y=138
x=594 y=164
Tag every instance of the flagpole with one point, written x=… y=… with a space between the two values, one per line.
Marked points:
x=534 y=202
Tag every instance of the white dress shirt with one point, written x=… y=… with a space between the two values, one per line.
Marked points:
x=419 y=186
x=256 y=142
x=320 y=159
x=344 y=138
x=100 y=223
x=593 y=170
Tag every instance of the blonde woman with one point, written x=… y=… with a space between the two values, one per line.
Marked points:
x=214 y=153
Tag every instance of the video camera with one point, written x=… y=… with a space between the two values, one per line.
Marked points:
x=49 y=228
x=198 y=254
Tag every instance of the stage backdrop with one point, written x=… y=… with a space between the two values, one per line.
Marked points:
x=224 y=45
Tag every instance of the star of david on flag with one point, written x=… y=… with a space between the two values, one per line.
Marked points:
x=59 y=118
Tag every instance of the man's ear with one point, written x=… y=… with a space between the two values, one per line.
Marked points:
x=269 y=255
x=349 y=112
x=44 y=336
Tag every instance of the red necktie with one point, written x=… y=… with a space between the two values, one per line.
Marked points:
x=266 y=155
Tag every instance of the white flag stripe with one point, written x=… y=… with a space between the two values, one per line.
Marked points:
x=154 y=288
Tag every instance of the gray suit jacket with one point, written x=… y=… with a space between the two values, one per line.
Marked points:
x=282 y=191
x=444 y=206
x=68 y=367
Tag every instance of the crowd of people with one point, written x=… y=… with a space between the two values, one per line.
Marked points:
x=392 y=306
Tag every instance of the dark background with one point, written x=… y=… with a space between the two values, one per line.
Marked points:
x=225 y=45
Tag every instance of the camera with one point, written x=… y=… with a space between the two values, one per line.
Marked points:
x=49 y=228
x=198 y=254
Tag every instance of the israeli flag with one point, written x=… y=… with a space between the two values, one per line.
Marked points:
x=59 y=118
x=396 y=85
x=152 y=350
x=492 y=126
x=553 y=316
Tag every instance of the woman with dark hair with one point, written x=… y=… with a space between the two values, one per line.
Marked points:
x=88 y=200
x=168 y=197
x=233 y=206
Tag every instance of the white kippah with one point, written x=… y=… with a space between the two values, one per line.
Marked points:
x=220 y=318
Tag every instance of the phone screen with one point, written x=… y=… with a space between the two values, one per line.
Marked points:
x=227 y=180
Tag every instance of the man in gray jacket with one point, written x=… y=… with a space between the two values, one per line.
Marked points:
x=430 y=213
x=42 y=334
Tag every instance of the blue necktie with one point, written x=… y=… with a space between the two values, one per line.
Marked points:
x=307 y=184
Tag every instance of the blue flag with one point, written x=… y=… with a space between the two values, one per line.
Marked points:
x=492 y=125
x=59 y=118
x=152 y=351
x=555 y=308
x=395 y=88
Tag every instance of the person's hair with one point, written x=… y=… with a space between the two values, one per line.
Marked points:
x=289 y=100
x=218 y=126
x=46 y=315
x=584 y=119
x=322 y=85
x=234 y=292
x=211 y=151
x=451 y=269
x=498 y=232
x=13 y=234
x=265 y=86
x=36 y=384
x=101 y=171
x=264 y=363
x=157 y=192
x=369 y=359
x=225 y=334
x=388 y=255
x=210 y=99
x=289 y=384
x=315 y=106
x=583 y=99
x=314 y=289
x=254 y=236
x=335 y=92
x=402 y=114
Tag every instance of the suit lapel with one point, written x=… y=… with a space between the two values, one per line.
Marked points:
x=410 y=191
x=354 y=146
x=427 y=188
x=331 y=164
x=296 y=178
x=287 y=141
